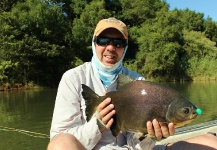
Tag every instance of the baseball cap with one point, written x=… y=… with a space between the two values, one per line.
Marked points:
x=111 y=23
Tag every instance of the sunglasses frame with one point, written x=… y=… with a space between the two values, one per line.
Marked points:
x=113 y=40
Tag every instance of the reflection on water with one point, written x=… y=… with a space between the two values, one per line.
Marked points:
x=31 y=112
x=203 y=94
x=27 y=110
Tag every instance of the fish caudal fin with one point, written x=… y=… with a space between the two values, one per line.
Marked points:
x=92 y=100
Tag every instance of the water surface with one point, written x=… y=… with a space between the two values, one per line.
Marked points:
x=30 y=111
x=26 y=114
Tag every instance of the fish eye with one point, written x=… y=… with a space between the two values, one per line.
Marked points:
x=186 y=110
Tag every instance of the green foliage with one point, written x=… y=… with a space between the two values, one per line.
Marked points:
x=39 y=40
x=201 y=53
x=83 y=28
x=210 y=29
x=77 y=7
x=192 y=20
x=197 y=45
x=6 y=68
x=6 y=5
x=136 y=12
x=30 y=38
x=159 y=48
x=202 y=68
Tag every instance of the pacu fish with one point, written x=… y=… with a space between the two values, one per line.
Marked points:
x=139 y=101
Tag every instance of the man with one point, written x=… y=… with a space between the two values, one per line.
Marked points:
x=70 y=130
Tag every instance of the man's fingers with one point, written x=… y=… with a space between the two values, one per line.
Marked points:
x=150 y=129
x=164 y=129
x=103 y=104
x=105 y=112
x=157 y=129
x=171 y=128
x=160 y=129
x=108 y=116
x=109 y=123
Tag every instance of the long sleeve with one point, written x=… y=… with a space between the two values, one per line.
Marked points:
x=69 y=117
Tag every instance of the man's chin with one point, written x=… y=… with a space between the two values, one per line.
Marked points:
x=108 y=63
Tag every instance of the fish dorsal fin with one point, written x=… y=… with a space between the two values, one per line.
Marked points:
x=123 y=79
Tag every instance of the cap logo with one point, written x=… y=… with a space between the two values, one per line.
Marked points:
x=112 y=20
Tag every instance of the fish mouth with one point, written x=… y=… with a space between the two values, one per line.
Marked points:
x=194 y=116
x=180 y=124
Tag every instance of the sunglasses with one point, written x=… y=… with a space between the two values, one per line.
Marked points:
x=104 y=41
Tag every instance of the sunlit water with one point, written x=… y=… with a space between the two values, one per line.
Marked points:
x=26 y=114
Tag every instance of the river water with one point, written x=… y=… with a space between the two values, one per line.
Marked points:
x=25 y=115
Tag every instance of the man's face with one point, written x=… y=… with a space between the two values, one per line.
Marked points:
x=109 y=54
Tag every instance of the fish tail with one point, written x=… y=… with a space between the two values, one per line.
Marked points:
x=92 y=100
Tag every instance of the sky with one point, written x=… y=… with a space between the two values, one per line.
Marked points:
x=207 y=7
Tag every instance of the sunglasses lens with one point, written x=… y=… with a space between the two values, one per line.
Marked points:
x=104 y=41
x=119 y=43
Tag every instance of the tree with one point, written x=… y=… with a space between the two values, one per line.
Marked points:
x=134 y=13
x=6 y=5
x=192 y=20
x=197 y=45
x=160 y=46
x=34 y=37
x=83 y=28
x=201 y=54
x=39 y=40
x=210 y=29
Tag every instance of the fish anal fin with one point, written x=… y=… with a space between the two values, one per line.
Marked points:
x=115 y=128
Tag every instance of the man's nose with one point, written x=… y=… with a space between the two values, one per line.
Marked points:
x=110 y=46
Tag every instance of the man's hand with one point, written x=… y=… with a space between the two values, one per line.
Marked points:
x=105 y=113
x=160 y=130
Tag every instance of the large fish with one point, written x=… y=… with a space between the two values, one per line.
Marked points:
x=139 y=101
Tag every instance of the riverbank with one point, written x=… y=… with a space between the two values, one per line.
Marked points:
x=205 y=79
x=195 y=79
x=17 y=86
